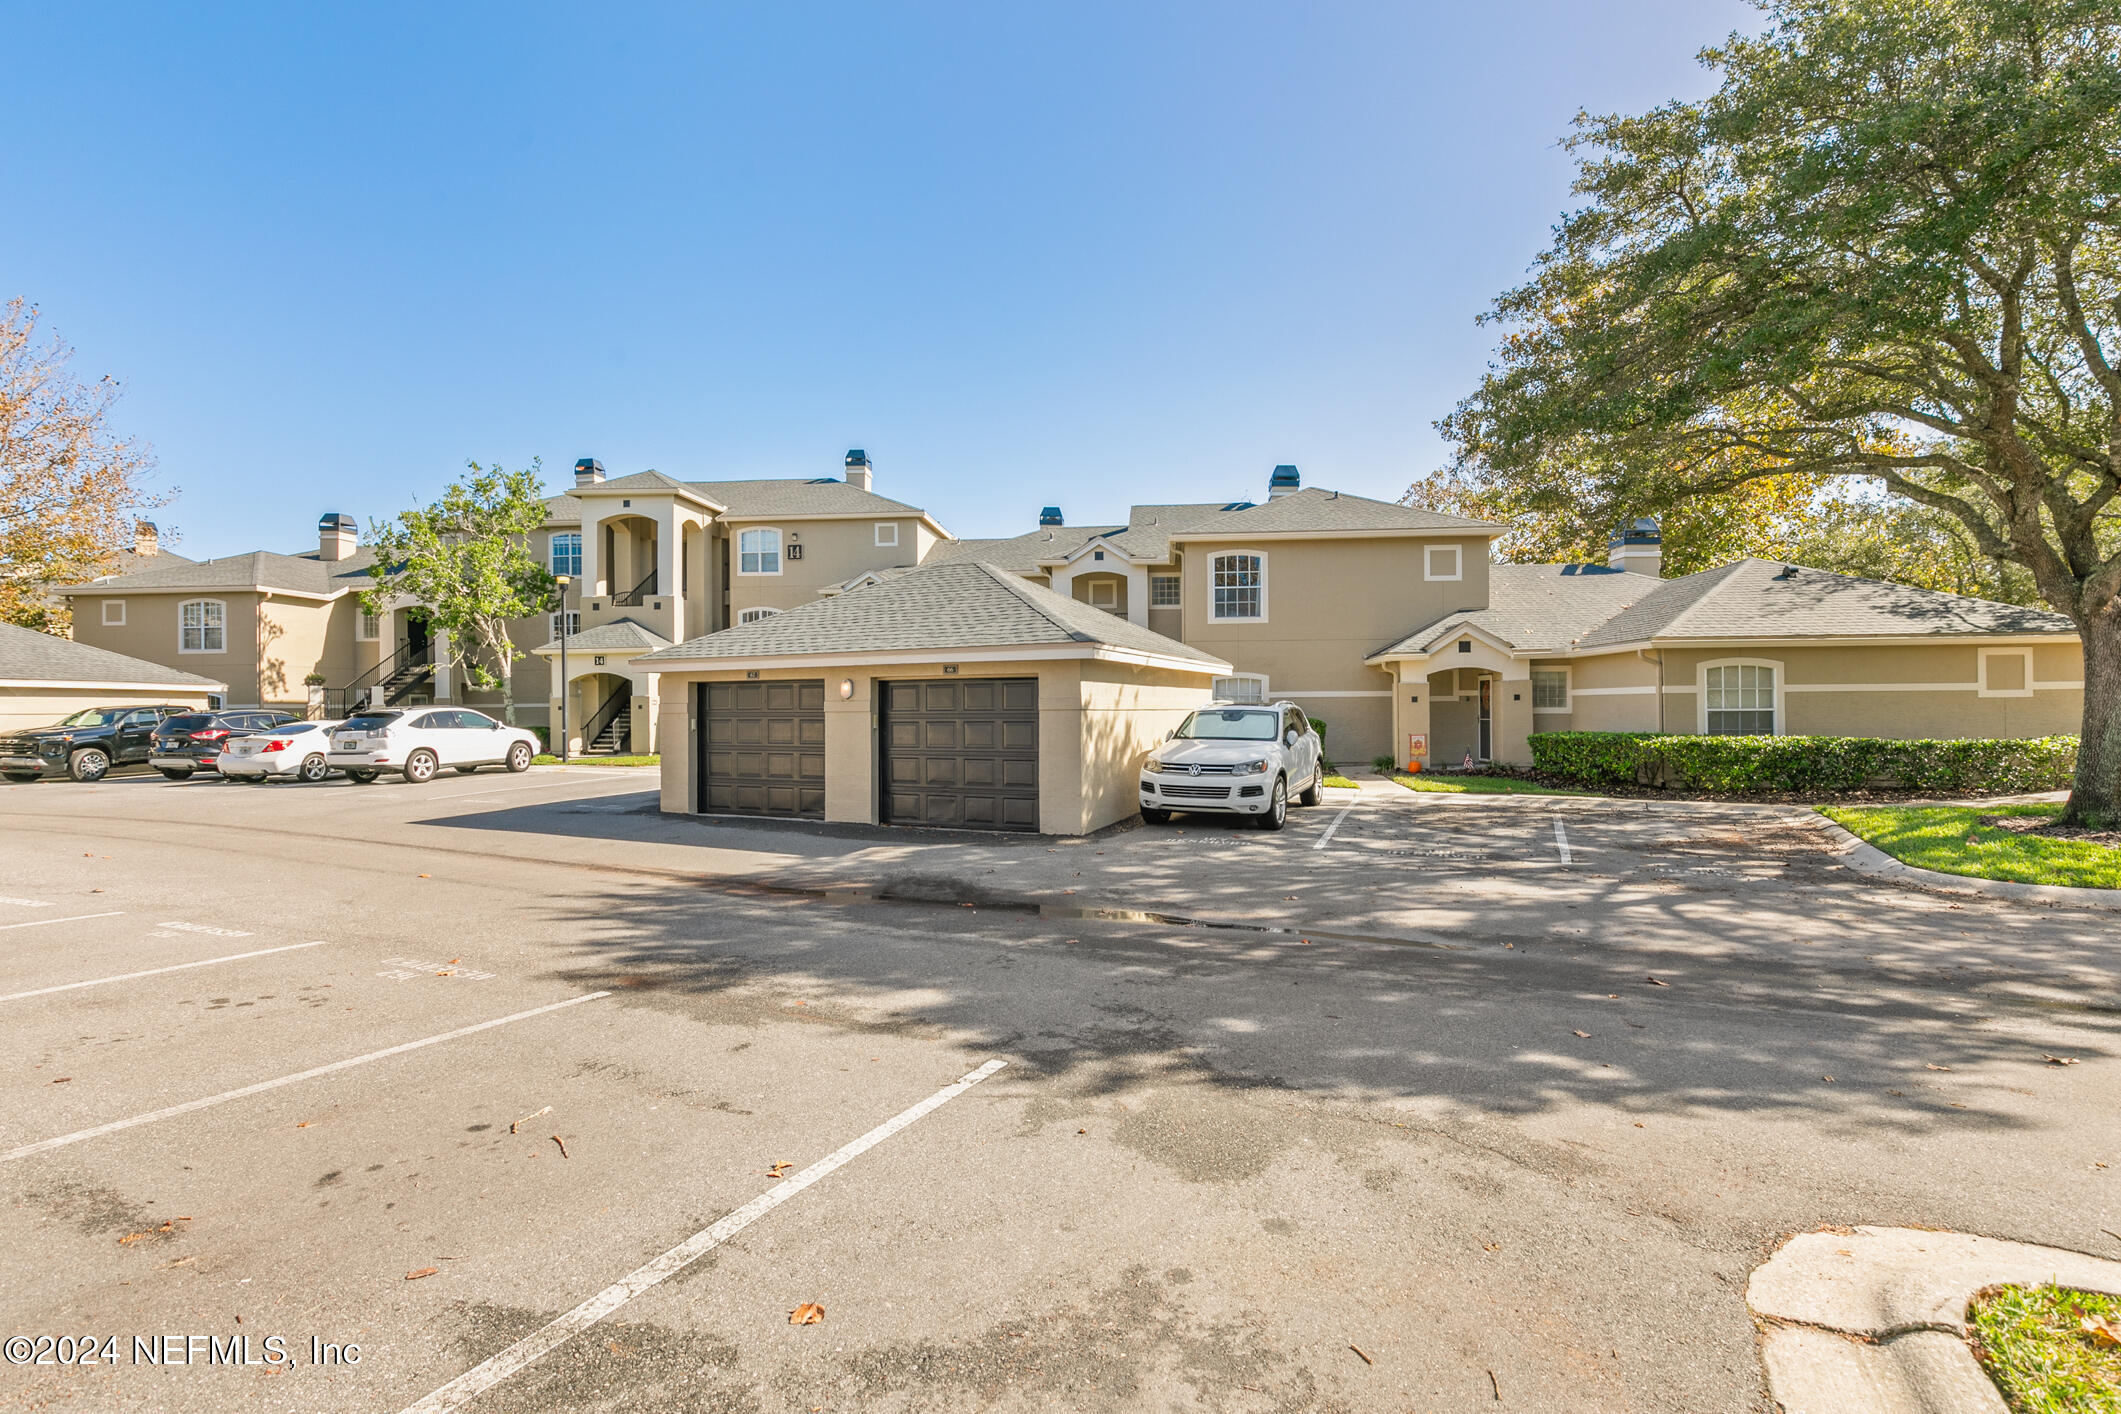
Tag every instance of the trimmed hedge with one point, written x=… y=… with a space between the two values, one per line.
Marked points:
x=1739 y=764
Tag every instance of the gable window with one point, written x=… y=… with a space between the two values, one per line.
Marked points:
x=1443 y=562
x=567 y=554
x=202 y=626
x=114 y=613
x=1738 y=699
x=571 y=621
x=1163 y=591
x=1238 y=582
x=752 y=616
x=1241 y=687
x=758 y=552
x=368 y=628
x=1550 y=689
x=887 y=532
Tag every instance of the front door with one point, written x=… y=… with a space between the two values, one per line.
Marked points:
x=416 y=635
x=1487 y=716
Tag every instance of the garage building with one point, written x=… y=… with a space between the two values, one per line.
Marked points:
x=44 y=677
x=960 y=696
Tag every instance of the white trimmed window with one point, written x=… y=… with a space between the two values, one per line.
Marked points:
x=368 y=628
x=1739 y=699
x=572 y=620
x=1550 y=689
x=1237 y=584
x=1443 y=562
x=567 y=554
x=1241 y=687
x=1163 y=591
x=202 y=626
x=887 y=532
x=752 y=616
x=758 y=552
x=114 y=613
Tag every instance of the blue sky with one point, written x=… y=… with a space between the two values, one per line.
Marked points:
x=1022 y=254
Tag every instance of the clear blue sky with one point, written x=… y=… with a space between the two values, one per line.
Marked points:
x=1085 y=254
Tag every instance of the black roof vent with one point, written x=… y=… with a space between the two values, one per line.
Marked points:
x=1788 y=572
x=1239 y=506
x=1051 y=515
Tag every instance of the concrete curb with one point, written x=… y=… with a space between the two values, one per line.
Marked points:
x=1874 y=1321
x=1866 y=858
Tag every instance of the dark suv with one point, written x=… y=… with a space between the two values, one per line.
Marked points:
x=193 y=741
x=84 y=746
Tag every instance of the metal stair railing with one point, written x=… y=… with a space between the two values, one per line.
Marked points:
x=339 y=701
x=605 y=716
x=635 y=596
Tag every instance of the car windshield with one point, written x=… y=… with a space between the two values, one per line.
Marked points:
x=93 y=717
x=1232 y=724
x=191 y=722
x=371 y=721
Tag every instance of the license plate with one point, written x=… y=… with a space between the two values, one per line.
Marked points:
x=349 y=743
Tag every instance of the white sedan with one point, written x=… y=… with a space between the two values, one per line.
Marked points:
x=292 y=751
x=416 y=742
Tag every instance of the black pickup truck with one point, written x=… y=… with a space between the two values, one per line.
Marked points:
x=85 y=746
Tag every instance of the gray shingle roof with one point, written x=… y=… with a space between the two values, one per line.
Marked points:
x=1315 y=508
x=259 y=569
x=1021 y=554
x=1747 y=599
x=1533 y=607
x=616 y=637
x=29 y=656
x=941 y=608
x=785 y=496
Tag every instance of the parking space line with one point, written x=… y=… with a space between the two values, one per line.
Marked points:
x=483 y=1376
x=77 y=918
x=1561 y=840
x=157 y=971
x=1327 y=838
x=42 y=1145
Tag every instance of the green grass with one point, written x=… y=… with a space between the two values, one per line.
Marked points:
x=1479 y=785
x=602 y=761
x=1951 y=841
x=1333 y=777
x=2032 y=1342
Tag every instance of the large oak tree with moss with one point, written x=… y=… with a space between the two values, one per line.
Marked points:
x=1888 y=246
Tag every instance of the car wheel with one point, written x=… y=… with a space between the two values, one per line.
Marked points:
x=1151 y=815
x=362 y=778
x=466 y=770
x=1278 y=808
x=420 y=767
x=519 y=757
x=174 y=775
x=313 y=769
x=1314 y=792
x=89 y=764
x=21 y=777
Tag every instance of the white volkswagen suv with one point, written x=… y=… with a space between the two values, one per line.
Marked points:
x=1237 y=758
x=416 y=742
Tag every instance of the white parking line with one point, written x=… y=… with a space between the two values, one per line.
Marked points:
x=475 y=1381
x=77 y=918
x=25 y=902
x=1561 y=841
x=224 y=1097
x=156 y=971
x=1327 y=838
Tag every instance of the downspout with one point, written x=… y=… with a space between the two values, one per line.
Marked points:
x=1644 y=654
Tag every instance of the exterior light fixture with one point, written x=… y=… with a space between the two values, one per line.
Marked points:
x=846 y=688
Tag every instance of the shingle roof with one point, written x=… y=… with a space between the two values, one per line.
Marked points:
x=1021 y=554
x=941 y=608
x=259 y=569
x=616 y=637
x=1538 y=606
x=1315 y=508
x=743 y=500
x=1749 y=599
x=29 y=656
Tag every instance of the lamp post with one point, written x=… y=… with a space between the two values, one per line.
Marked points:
x=562 y=581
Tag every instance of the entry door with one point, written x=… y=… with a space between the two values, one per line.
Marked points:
x=762 y=748
x=1487 y=720
x=961 y=753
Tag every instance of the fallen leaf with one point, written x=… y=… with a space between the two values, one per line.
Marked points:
x=63 y=1080
x=1827 y=1078
x=563 y=1146
x=1927 y=1066
x=1638 y=1026
x=427 y=876
x=1638 y=1124
x=454 y=961
x=807 y=1314
x=1085 y=1131
x=2058 y=1060
x=130 y=1238
x=1585 y=1034
x=1901 y=1093
x=423 y=1272
x=779 y=1169
x=1655 y=983
x=2104 y=1330
x=1362 y=1352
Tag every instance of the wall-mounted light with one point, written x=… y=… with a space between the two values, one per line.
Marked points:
x=949 y=667
x=846 y=688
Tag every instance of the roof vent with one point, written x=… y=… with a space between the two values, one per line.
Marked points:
x=1284 y=480
x=588 y=471
x=336 y=535
x=1051 y=515
x=1788 y=572
x=859 y=470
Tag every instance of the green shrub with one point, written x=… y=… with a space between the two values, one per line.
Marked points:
x=1320 y=727
x=1384 y=765
x=1738 y=764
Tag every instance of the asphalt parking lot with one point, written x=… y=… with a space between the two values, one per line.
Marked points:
x=1419 y=1104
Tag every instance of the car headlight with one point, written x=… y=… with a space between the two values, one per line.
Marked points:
x=1250 y=768
x=1153 y=766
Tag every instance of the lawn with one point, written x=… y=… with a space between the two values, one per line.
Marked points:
x=1333 y=777
x=1478 y=785
x=2051 y=1350
x=602 y=761
x=1952 y=840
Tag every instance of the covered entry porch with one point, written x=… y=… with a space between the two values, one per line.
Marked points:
x=608 y=703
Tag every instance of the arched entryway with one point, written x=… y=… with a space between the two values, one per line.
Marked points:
x=600 y=713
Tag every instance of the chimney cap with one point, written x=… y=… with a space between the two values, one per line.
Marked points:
x=1640 y=531
x=857 y=457
x=1284 y=480
x=1050 y=515
x=588 y=469
x=330 y=520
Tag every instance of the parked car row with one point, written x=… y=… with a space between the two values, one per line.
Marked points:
x=261 y=745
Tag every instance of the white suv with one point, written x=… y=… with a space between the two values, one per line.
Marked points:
x=1237 y=758
x=419 y=741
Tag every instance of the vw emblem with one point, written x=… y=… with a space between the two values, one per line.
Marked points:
x=1192 y=770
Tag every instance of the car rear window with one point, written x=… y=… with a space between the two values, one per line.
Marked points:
x=290 y=728
x=369 y=721
x=190 y=722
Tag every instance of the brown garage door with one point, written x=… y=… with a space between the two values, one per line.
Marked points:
x=762 y=748
x=962 y=753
